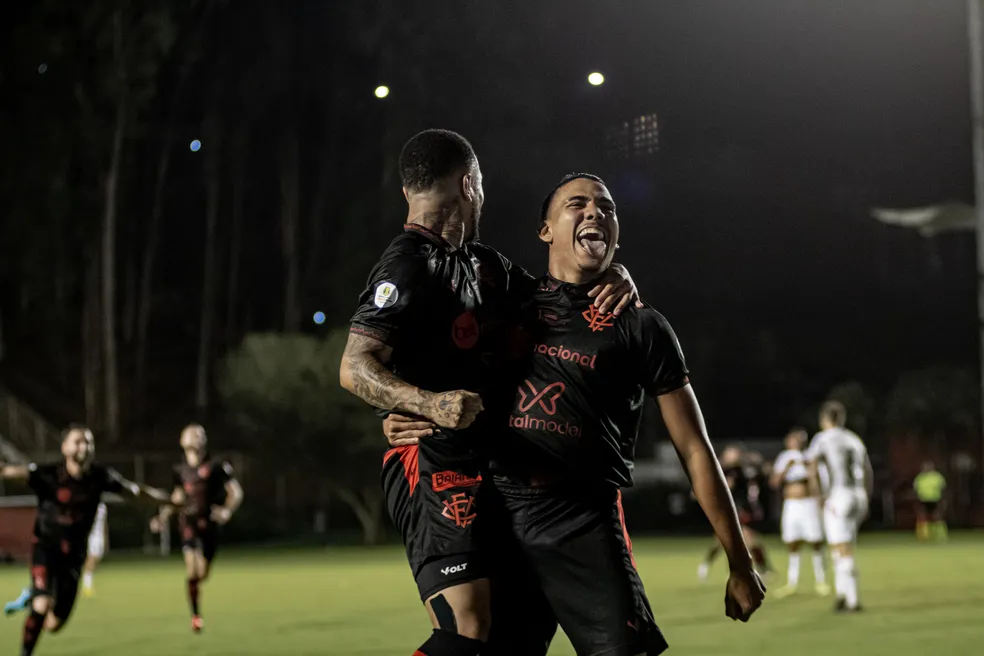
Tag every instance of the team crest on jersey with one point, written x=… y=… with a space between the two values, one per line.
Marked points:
x=465 y=330
x=64 y=495
x=596 y=320
x=386 y=295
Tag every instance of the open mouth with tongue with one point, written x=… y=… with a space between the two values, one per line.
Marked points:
x=593 y=241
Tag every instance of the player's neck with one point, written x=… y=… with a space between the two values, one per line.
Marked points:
x=571 y=273
x=440 y=217
x=73 y=468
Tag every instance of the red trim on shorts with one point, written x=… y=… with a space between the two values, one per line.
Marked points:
x=625 y=531
x=408 y=456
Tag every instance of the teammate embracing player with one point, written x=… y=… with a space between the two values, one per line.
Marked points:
x=568 y=447
x=206 y=494
x=800 y=512
x=432 y=337
x=69 y=495
x=846 y=506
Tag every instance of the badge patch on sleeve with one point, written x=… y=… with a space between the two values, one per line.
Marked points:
x=386 y=295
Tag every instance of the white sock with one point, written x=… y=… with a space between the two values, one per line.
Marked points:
x=838 y=576
x=818 y=572
x=87 y=580
x=793 y=574
x=845 y=567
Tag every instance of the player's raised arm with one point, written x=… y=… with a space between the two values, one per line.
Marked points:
x=233 y=497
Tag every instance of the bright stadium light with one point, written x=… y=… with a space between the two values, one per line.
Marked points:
x=382 y=91
x=596 y=79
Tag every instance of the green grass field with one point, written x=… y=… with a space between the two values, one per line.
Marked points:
x=920 y=599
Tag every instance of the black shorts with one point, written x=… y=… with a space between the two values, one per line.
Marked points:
x=929 y=507
x=55 y=571
x=199 y=534
x=749 y=515
x=579 y=554
x=432 y=498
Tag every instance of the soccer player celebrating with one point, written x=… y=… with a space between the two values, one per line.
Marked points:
x=68 y=499
x=572 y=432
x=800 y=512
x=846 y=506
x=432 y=337
x=930 y=486
x=206 y=494
x=98 y=541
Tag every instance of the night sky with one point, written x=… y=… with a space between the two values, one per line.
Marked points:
x=781 y=122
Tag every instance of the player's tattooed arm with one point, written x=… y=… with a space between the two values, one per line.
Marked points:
x=363 y=372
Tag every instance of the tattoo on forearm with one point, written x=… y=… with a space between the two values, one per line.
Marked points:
x=374 y=383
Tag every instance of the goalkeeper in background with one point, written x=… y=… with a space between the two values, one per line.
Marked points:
x=930 y=487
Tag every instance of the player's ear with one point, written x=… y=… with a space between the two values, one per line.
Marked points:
x=406 y=194
x=545 y=233
x=468 y=187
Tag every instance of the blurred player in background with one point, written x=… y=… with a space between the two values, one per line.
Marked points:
x=743 y=474
x=846 y=504
x=98 y=543
x=69 y=495
x=800 y=512
x=207 y=494
x=930 y=488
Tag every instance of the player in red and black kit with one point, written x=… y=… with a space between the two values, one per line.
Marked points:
x=432 y=337
x=68 y=494
x=206 y=494
x=572 y=432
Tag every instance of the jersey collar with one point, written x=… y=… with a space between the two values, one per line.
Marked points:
x=550 y=284
x=428 y=234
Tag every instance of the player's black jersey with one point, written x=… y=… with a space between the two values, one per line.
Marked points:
x=576 y=414
x=67 y=506
x=742 y=480
x=451 y=316
x=204 y=485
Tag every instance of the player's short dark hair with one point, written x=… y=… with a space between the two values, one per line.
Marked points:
x=432 y=155
x=71 y=428
x=545 y=207
x=834 y=411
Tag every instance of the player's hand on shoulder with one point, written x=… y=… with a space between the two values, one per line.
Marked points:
x=406 y=430
x=616 y=291
x=745 y=592
x=456 y=409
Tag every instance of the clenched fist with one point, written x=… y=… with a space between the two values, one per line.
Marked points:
x=744 y=593
x=456 y=409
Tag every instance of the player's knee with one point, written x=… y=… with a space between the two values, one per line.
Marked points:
x=464 y=610
x=41 y=605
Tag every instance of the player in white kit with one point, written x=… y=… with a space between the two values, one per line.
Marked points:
x=800 y=512
x=98 y=541
x=846 y=503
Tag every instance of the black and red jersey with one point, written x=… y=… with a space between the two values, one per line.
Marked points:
x=451 y=316
x=203 y=485
x=67 y=505
x=577 y=412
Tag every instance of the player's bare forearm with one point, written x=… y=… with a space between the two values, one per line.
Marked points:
x=234 y=496
x=814 y=479
x=363 y=372
x=683 y=419
x=14 y=472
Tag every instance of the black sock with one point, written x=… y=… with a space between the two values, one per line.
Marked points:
x=193 y=595
x=33 y=626
x=445 y=643
x=712 y=554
